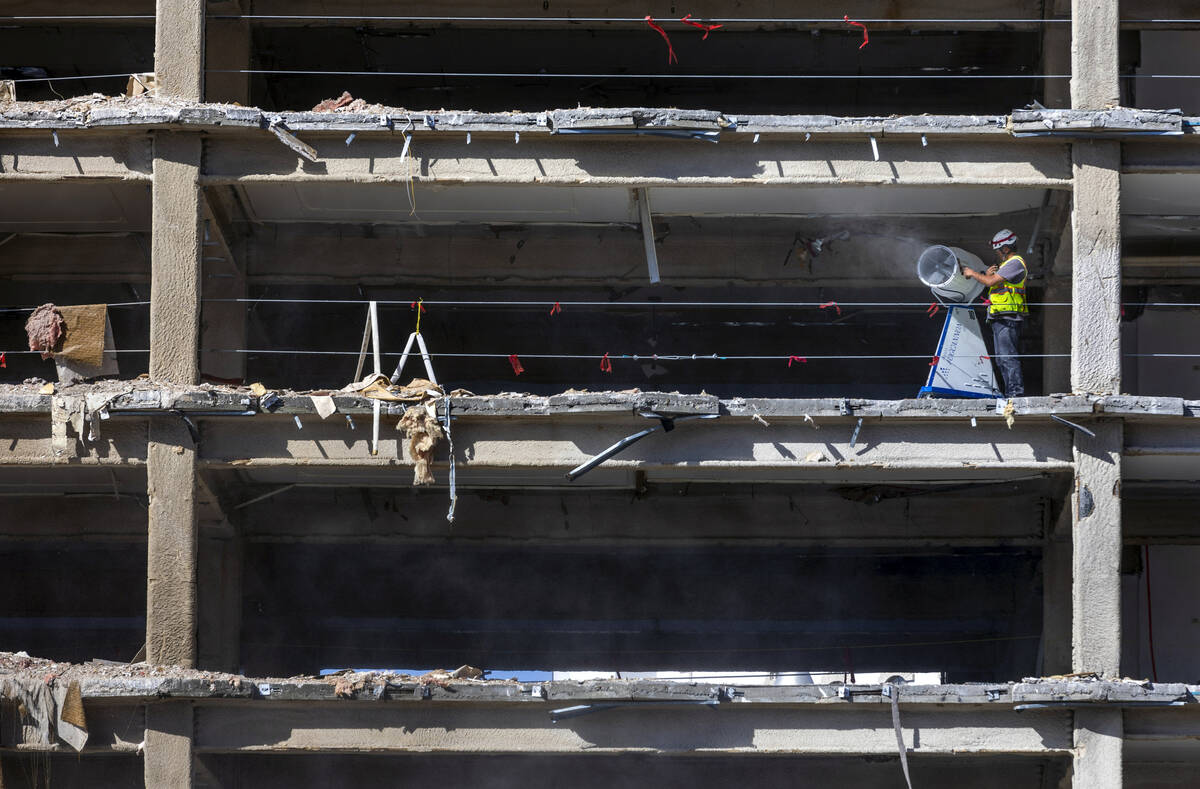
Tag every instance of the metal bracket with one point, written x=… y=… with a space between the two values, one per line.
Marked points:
x=847 y=694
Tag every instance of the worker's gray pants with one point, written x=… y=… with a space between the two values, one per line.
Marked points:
x=1006 y=334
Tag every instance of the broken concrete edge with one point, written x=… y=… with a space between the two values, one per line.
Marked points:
x=1117 y=121
x=149 y=112
x=375 y=687
x=100 y=681
x=213 y=402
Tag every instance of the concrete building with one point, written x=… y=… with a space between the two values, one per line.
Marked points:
x=597 y=242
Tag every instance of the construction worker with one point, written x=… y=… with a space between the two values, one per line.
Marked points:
x=1005 y=282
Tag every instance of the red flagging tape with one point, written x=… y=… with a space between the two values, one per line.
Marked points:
x=3 y=360
x=605 y=364
x=833 y=304
x=935 y=361
x=798 y=359
x=687 y=20
x=670 y=49
x=516 y=363
x=555 y=309
x=417 y=304
x=933 y=309
x=866 y=38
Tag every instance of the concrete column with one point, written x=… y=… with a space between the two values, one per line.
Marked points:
x=1099 y=737
x=1096 y=554
x=170 y=732
x=175 y=250
x=171 y=545
x=1095 y=56
x=1096 y=268
x=179 y=48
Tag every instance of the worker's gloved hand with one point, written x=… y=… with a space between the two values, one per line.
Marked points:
x=993 y=269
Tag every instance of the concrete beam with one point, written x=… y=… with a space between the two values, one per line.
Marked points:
x=179 y=48
x=1162 y=157
x=169 y=744
x=171 y=609
x=1095 y=54
x=79 y=156
x=733 y=728
x=699 y=450
x=444 y=157
x=83 y=258
x=175 y=252
x=26 y=440
x=1099 y=743
x=1096 y=269
x=1096 y=540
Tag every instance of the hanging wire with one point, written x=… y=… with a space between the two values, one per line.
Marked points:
x=114 y=304
x=660 y=357
x=546 y=75
x=592 y=19
x=640 y=20
x=124 y=75
x=659 y=304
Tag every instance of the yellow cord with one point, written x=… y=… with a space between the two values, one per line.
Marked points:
x=420 y=309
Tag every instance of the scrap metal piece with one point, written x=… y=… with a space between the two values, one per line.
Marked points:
x=1080 y=428
x=643 y=198
x=450 y=446
x=892 y=692
x=666 y=424
x=277 y=127
x=854 y=435
x=585 y=709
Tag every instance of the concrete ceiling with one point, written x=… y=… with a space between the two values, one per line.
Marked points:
x=74 y=207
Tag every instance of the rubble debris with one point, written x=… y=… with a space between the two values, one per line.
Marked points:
x=142 y=83
x=45 y=329
x=8 y=91
x=466 y=672
x=377 y=386
x=347 y=685
x=422 y=431
x=344 y=103
x=324 y=405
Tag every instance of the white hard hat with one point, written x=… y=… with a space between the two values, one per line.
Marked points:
x=1005 y=238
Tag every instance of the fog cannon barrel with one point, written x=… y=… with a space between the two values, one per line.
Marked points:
x=939 y=267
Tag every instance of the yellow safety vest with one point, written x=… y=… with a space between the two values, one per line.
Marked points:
x=1009 y=297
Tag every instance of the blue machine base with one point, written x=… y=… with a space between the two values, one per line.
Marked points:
x=938 y=391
